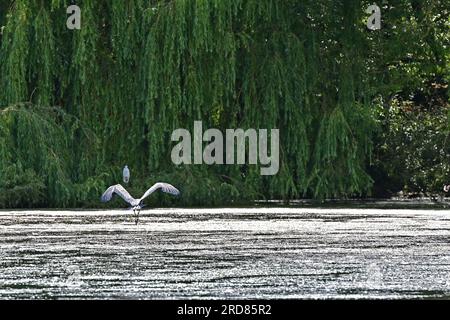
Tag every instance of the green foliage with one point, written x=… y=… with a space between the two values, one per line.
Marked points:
x=413 y=149
x=37 y=157
x=20 y=188
x=139 y=69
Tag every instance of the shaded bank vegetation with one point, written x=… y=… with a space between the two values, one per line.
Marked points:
x=360 y=112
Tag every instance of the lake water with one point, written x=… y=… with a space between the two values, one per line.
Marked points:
x=225 y=254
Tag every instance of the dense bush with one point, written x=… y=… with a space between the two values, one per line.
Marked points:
x=19 y=187
x=40 y=158
x=413 y=145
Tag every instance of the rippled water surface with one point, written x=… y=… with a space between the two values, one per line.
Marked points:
x=225 y=253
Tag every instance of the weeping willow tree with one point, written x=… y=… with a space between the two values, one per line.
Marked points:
x=77 y=105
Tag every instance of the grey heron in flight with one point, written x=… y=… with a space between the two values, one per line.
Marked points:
x=137 y=204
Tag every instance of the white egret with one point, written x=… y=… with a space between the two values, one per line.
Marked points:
x=137 y=204
x=447 y=188
x=126 y=174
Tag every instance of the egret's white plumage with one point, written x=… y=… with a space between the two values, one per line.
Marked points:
x=137 y=204
x=126 y=174
x=447 y=188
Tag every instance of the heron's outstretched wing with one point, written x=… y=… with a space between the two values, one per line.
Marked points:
x=165 y=187
x=120 y=191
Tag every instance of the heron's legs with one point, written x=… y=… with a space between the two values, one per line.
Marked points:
x=136 y=217
x=134 y=214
